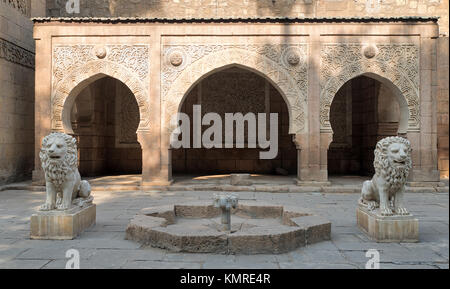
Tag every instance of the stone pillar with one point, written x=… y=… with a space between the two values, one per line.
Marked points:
x=308 y=172
x=442 y=105
x=309 y=152
x=154 y=170
x=425 y=170
x=42 y=118
x=325 y=140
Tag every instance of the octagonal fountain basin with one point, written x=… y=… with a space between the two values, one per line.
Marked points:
x=256 y=228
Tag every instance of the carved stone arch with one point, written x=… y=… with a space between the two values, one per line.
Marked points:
x=294 y=96
x=71 y=85
x=399 y=72
x=409 y=111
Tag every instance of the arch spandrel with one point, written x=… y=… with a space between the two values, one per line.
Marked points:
x=290 y=78
x=396 y=65
x=75 y=67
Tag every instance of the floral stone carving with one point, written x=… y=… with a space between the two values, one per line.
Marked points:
x=73 y=64
x=273 y=61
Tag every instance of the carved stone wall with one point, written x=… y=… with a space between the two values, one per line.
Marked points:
x=398 y=63
x=243 y=93
x=16 y=54
x=285 y=66
x=127 y=118
x=75 y=64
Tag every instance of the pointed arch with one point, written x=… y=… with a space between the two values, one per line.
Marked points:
x=400 y=73
x=65 y=93
x=274 y=72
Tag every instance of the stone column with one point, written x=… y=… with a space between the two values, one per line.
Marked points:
x=325 y=140
x=425 y=169
x=42 y=118
x=308 y=174
x=156 y=159
x=442 y=105
x=310 y=167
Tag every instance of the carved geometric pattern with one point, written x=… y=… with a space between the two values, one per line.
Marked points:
x=200 y=60
x=128 y=119
x=16 y=54
x=73 y=64
x=398 y=63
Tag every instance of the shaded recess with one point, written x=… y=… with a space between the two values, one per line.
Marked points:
x=104 y=118
x=363 y=112
x=234 y=90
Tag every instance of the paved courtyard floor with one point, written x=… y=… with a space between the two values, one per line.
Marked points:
x=104 y=245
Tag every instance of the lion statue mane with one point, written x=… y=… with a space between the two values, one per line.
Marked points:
x=59 y=161
x=392 y=165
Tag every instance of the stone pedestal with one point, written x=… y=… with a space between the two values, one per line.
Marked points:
x=387 y=229
x=62 y=225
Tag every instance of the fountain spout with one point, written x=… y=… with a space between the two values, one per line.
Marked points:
x=225 y=203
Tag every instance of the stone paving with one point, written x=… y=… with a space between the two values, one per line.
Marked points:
x=104 y=246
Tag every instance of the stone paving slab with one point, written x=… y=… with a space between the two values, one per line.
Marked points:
x=24 y=264
x=160 y=265
x=295 y=265
x=104 y=246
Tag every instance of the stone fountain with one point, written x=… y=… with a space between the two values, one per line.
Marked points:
x=226 y=203
x=227 y=226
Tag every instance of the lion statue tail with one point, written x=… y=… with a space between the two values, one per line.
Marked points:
x=85 y=189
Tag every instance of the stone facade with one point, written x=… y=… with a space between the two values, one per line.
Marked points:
x=288 y=8
x=257 y=8
x=163 y=71
x=151 y=75
x=17 y=90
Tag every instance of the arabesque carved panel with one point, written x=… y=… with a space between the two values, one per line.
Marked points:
x=285 y=65
x=73 y=64
x=399 y=63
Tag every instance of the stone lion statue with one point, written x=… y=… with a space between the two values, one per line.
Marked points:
x=63 y=182
x=392 y=165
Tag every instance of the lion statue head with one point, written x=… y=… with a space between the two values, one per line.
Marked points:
x=58 y=156
x=393 y=160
